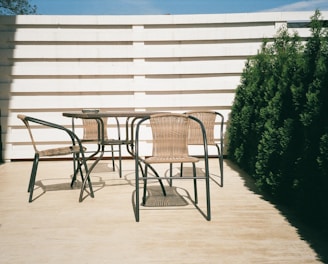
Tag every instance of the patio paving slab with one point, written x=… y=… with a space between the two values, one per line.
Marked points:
x=56 y=228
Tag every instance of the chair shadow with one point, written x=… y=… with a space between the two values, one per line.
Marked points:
x=155 y=197
x=216 y=179
x=39 y=184
x=103 y=168
x=63 y=186
x=170 y=206
x=177 y=192
x=98 y=182
x=316 y=239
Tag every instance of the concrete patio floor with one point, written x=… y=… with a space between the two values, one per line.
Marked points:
x=56 y=228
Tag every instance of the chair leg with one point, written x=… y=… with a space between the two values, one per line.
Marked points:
x=90 y=187
x=195 y=182
x=145 y=182
x=171 y=169
x=73 y=178
x=145 y=185
x=120 y=160
x=220 y=156
x=208 y=201
x=207 y=182
x=221 y=170
x=137 y=206
x=159 y=179
x=113 y=158
x=87 y=171
x=33 y=176
x=83 y=187
x=77 y=167
x=75 y=158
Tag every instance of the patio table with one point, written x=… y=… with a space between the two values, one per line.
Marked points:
x=131 y=117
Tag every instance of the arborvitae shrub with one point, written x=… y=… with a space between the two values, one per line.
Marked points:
x=278 y=130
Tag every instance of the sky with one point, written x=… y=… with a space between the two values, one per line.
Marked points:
x=174 y=7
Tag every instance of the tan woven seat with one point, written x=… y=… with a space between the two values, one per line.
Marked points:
x=59 y=151
x=170 y=159
x=210 y=120
x=76 y=149
x=169 y=145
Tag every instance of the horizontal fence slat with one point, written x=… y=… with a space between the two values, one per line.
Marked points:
x=125 y=68
x=112 y=20
x=106 y=51
x=157 y=34
x=105 y=101
x=114 y=85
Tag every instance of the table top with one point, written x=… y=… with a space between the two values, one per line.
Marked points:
x=100 y=114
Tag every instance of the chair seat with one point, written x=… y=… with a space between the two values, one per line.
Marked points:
x=116 y=142
x=169 y=159
x=60 y=151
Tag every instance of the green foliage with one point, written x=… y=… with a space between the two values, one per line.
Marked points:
x=246 y=126
x=16 y=7
x=278 y=130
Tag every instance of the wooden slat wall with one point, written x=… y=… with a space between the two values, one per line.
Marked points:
x=52 y=64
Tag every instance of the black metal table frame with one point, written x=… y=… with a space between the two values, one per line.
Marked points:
x=131 y=117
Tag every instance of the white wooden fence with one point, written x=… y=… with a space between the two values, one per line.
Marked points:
x=52 y=64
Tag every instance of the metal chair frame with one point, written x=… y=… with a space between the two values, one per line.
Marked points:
x=92 y=133
x=209 y=120
x=76 y=149
x=157 y=158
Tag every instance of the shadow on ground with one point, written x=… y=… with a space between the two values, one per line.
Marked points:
x=317 y=239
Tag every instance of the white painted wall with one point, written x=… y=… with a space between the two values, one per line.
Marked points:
x=52 y=64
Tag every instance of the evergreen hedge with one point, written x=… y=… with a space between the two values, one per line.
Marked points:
x=278 y=130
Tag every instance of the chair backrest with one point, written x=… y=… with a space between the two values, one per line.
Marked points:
x=27 y=124
x=170 y=135
x=208 y=118
x=90 y=129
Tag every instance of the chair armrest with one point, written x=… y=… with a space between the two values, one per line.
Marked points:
x=72 y=135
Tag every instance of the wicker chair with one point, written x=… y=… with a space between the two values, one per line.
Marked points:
x=95 y=131
x=76 y=149
x=91 y=134
x=210 y=119
x=170 y=134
